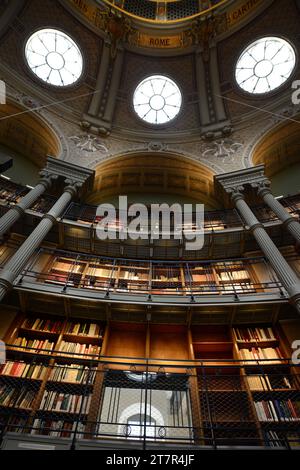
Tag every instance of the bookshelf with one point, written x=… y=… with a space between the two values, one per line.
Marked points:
x=273 y=385
x=219 y=278
x=48 y=391
x=225 y=403
x=66 y=272
x=57 y=392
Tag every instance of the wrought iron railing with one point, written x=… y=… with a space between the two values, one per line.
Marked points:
x=216 y=220
x=68 y=270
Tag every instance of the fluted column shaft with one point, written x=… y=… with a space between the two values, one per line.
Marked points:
x=285 y=273
x=289 y=222
x=11 y=217
x=17 y=263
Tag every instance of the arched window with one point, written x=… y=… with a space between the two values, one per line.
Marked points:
x=136 y=425
x=265 y=65
x=157 y=100
x=54 y=57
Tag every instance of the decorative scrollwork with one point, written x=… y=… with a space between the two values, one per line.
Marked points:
x=127 y=430
x=162 y=432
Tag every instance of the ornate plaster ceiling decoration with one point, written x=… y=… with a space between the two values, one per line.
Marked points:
x=166 y=25
x=166 y=11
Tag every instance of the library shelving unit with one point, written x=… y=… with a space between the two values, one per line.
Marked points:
x=226 y=409
x=247 y=390
x=273 y=383
x=242 y=390
x=48 y=380
x=154 y=278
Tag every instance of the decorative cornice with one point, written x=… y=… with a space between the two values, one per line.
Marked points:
x=70 y=172
x=239 y=179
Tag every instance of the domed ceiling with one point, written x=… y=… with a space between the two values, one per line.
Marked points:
x=187 y=86
x=169 y=25
x=167 y=10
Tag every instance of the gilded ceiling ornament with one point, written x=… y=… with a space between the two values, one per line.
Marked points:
x=117 y=26
x=203 y=32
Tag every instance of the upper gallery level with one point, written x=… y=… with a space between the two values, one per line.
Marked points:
x=239 y=281
x=225 y=231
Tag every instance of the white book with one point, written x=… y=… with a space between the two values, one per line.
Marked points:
x=273 y=411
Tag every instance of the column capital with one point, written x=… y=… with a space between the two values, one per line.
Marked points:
x=47 y=178
x=72 y=186
x=243 y=178
x=263 y=187
x=236 y=193
x=70 y=172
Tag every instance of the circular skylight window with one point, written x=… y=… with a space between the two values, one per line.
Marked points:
x=157 y=100
x=265 y=65
x=54 y=57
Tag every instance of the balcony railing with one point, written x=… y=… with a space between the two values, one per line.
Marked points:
x=201 y=403
x=218 y=220
x=249 y=279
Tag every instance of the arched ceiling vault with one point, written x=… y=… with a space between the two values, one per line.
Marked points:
x=279 y=149
x=27 y=134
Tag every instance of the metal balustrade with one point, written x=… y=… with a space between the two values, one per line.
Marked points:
x=67 y=272
x=214 y=221
x=121 y=401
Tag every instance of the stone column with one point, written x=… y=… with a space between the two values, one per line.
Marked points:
x=17 y=263
x=285 y=273
x=264 y=191
x=8 y=219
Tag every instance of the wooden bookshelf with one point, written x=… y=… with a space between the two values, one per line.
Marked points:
x=50 y=390
x=225 y=397
x=214 y=278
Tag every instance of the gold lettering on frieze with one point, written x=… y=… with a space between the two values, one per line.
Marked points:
x=160 y=42
x=239 y=13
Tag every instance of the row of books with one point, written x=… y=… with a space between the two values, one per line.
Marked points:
x=65 y=347
x=52 y=428
x=38 y=324
x=254 y=334
x=65 y=402
x=274 y=439
x=23 y=370
x=264 y=383
x=35 y=344
x=264 y=355
x=83 y=329
x=68 y=266
x=278 y=410
x=17 y=423
x=16 y=397
x=233 y=276
x=72 y=374
x=77 y=348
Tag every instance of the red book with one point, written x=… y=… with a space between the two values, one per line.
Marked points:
x=14 y=369
x=292 y=409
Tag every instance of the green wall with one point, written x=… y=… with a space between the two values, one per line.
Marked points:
x=149 y=199
x=287 y=181
x=23 y=170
